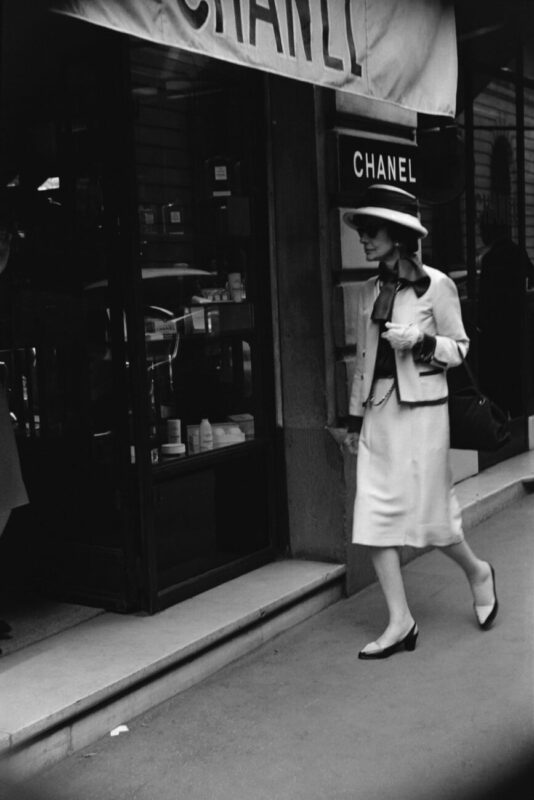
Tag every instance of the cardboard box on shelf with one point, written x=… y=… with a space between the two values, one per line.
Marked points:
x=245 y=422
x=224 y=434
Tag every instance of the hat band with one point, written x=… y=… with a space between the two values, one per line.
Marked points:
x=395 y=201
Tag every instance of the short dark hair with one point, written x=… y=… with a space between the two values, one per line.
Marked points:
x=406 y=237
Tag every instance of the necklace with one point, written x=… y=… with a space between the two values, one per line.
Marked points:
x=371 y=399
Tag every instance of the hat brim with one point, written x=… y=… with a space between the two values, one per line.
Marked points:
x=398 y=217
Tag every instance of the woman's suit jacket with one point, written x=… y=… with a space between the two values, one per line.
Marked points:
x=436 y=313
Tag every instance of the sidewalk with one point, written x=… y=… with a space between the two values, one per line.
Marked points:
x=302 y=718
x=60 y=695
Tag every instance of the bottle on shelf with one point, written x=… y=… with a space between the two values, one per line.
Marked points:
x=205 y=435
x=153 y=444
x=133 y=450
x=153 y=425
x=236 y=287
x=174 y=431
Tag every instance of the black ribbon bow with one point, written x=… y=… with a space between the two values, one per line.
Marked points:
x=391 y=284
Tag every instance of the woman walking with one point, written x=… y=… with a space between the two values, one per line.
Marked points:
x=409 y=332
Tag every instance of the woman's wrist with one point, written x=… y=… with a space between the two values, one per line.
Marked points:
x=424 y=349
x=353 y=423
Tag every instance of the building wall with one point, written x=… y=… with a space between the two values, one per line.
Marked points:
x=313 y=464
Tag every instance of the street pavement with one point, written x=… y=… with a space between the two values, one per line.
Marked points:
x=302 y=718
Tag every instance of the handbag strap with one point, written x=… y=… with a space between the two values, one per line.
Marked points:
x=469 y=371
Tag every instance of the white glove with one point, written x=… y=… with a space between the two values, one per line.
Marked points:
x=402 y=337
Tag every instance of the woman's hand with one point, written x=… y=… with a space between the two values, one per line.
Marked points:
x=344 y=439
x=350 y=442
x=402 y=337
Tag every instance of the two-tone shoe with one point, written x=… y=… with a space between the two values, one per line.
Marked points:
x=373 y=651
x=486 y=614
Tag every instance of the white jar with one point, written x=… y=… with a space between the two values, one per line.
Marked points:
x=205 y=435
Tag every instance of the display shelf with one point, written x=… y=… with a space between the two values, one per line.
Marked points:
x=165 y=238
x=183 y=464
x=219 y=318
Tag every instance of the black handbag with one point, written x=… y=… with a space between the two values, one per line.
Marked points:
x=476 y=422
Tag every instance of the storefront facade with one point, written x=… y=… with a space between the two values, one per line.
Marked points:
x=181 y=258
x=139 y=307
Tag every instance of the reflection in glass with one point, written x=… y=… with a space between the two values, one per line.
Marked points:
x=191 y=141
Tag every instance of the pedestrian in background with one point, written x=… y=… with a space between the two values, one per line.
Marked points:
x=505 y=271
x=409 y=332
x=12 y=489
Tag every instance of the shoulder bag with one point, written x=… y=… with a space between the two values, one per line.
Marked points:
x=476 y=422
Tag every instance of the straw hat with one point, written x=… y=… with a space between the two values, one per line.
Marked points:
x=390 y=204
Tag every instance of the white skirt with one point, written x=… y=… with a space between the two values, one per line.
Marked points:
x=404 y=491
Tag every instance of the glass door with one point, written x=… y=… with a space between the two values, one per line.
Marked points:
x=199 y=149
x=63 y=335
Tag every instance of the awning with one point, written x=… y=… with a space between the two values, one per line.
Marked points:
x=394 y=50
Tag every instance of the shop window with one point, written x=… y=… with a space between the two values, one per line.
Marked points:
x=135 y=317
x=529 y=174
x=441 y=183
x=501 y=263
x=62 y=338
x=199 y=170
x=500 y=201
x=529 y=241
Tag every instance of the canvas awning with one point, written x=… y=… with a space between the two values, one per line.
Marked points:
x=393 y=50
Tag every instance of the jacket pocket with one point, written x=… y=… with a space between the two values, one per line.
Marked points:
x=427 y=372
